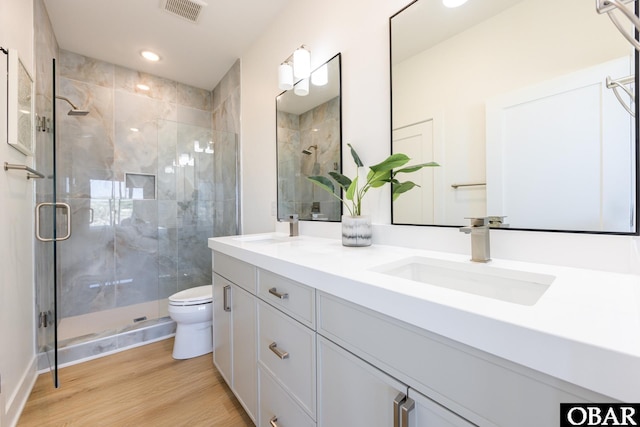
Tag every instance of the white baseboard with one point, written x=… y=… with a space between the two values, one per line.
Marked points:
x=18 y=399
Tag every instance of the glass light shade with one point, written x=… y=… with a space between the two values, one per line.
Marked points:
x=320 y=77
x=285 y=76
x=302 y=88
x=301 y=63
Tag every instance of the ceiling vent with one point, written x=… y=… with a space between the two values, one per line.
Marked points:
x=185 y=9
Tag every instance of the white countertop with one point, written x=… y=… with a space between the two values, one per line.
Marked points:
x=585 y=329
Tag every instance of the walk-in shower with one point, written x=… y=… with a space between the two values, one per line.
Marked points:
x=144 y=198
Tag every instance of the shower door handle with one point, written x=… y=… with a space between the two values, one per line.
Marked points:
x=56 y=206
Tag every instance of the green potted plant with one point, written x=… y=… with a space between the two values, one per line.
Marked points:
x=356 y=228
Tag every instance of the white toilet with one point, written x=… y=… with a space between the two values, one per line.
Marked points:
x=192 y=310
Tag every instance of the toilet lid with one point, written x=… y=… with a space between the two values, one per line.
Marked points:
x=197 y=295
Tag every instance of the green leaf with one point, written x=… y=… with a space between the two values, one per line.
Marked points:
x=322 y=182
x=414 y=168
x=378 y=178
x=391 y=162
x=342 y=180
x=355 y=156
x=403 y=187
x=352 y=189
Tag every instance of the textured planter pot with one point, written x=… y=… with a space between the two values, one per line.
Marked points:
x=356 y=230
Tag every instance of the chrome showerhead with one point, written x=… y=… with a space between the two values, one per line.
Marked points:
x=75 y=111
x=308 y=151
x=78 y=112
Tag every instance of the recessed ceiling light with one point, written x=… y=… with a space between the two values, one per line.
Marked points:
x=150 y=56
x=143 y=87
x=453 y=3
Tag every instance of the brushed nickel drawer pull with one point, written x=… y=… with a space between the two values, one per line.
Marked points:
x=280 y=353
x=274 y=421
x=226 y=303
x=408 y=406
x=397 y=402
x=274 y=292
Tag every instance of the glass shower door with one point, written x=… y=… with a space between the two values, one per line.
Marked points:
x=45 y=244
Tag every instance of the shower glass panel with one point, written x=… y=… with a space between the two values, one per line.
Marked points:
x=197 y=192
x=45 y=252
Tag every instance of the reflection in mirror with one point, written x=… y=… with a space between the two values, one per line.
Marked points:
x=518 y=114
x=308 y=135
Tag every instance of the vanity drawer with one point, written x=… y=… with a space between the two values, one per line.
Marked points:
x=287 y=350
x=276 y=405
x=236 y=271
x=293 y=298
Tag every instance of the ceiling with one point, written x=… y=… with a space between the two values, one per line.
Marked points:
x=198 y=54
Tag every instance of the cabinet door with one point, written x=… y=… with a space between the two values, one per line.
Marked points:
x=222 y=327
x=353 y=393
x=245 y=373
x=420 y=411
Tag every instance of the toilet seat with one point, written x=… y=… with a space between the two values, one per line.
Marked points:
x=192 y=296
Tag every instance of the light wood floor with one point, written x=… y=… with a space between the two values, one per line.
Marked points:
x=143 y=386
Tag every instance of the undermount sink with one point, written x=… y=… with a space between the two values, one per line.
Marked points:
x=263 y=238
x=519 y=287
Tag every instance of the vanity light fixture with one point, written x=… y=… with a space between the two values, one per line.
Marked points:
x=453 y=3
x=150 y=56
x=296 y=67
x=320 y=77
x=302 y=88
x=302 y=62
x=285 y=76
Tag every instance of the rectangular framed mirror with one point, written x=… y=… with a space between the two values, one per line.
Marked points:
x=514 y=99
x=309 y=142
x=20 y=105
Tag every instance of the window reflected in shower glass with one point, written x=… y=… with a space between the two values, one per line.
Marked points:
x=140 y=186
x=101 y=189
x=100 y=214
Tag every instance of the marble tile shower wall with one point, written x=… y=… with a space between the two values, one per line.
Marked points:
x=128 y=244
x=316 y=127
x=225 y=104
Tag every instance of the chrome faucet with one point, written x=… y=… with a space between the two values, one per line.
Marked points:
x=479 y=230
x=293 y=225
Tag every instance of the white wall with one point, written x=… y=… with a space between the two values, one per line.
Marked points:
x=17 y=325
x=359 y=29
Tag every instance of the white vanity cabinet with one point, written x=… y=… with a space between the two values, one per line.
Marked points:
x=235 y=330
x=302 y=356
